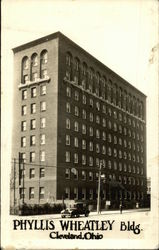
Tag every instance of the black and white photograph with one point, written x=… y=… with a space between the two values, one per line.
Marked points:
x=80 y=123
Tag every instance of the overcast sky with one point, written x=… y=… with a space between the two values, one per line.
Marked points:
x=121 y=34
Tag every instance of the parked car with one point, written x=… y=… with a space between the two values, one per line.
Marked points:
x=78 y=209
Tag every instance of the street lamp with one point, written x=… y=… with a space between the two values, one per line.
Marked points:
x=99 y=181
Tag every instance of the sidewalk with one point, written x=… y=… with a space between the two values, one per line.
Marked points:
x=94 y=213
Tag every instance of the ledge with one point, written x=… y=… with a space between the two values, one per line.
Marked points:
x=30 y=83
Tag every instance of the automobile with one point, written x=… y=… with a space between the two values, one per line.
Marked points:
x=78 y=209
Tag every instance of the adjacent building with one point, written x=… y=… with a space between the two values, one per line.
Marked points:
x=73 y=115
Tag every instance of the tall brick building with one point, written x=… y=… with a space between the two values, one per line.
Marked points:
x=71 y=115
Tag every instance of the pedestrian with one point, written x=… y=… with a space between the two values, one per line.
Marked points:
x=121 y=208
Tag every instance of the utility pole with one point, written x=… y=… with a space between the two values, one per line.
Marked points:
x=99 y=180
x=23 y=179
x=14 y=180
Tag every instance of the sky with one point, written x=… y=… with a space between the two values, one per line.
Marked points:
x=121 y=34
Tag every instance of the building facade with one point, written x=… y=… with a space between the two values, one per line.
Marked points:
x=72 y=116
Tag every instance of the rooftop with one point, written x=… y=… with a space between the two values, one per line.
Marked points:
x=61 y=36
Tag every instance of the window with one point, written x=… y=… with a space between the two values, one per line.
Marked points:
x=32 y=140
x=83 y=193
x=25 y=63
x=91 y=194
x=97 y=119
x=32 y=124
x=109 y=164
x=84 y=100
x=24 y=94
x=67 y=156
x=76 y=111
x=23 y=142
x=68 y=75
x=42 y=139
x=33 y=92
x=115 y=152
x=67 y=139
x=32 y=156
x=84 y=129
x=76 y=126
x=98 y=106
x=91 y=117
x=97 y=162
x=115 y=114
x=76 y=95
x=68 y=92
x=33 y=108
x=44 y=57
x=109 y=111
x=43 y=122
x=104 y=122
x=77 y=64
x=75 y=174
x=34 y=76
x=42 y=155
x=109 y=151
x=43 y=90
x=109 y=124
x=125 y=168
x=42 y=172
x=103 y=150
x=120 y=166
x=68 y=59
x=75 y=158
x=23 y=126
x=104 y=109
x=23 y=157
x=104 y=136
x=42 y=106
x=97 y=148
x=32 y=173
x=24 y=110
x=83 y=175
x=22 y=193
x=67 y=173
x=90 y=131
x=120 y=154
x=129 y=168
x=90 y=146
x=91 y=103
x=83 y=160
x=67 y=193
x=115 y=127
x=68 y=107
x=83 y=144
x=76 y=142
x=120 y=117
x=75 y=193
x=90 y=176
x=67 y=123
x=109 y=138
x=90 y=161
x=84 y=114
x=26 y=79
x=76 y=79
x=34 y=60
x=97 y=133
x=41 y=193
x=31 y=193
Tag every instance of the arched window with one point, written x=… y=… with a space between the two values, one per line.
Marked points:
x=43 y=63
x=84 y=69
x=34 y=63
x=44 y=57
x=34 y=60
x=24 y=70
x=68 y=59
x=25 y=63
x=76 y=64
